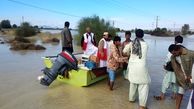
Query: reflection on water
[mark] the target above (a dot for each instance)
(19, 88)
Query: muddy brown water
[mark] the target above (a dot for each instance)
(20, 89)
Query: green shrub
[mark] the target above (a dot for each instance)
(25, 30)
(97, 25)
(14, 26)
(5, 24)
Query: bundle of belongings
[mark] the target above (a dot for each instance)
(90, 62)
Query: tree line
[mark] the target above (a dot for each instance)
(6, 24)
(97, 24)
(185, 30)
(24, 30)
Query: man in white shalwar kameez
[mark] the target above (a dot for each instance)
(88, 43)
(103, 50)
(137, 69)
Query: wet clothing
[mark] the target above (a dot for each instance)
(169, 78)
(191, 101)
(111, 75)
(142, 90)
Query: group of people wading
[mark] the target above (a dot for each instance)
(131, 56)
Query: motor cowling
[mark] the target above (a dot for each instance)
(64, 62)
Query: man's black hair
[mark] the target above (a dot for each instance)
(117, 38)
(171, 47)
(67, 24)
(178, 39)
(174, 47)
(128, 32)
(139, 33)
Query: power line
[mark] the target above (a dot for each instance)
(114, 3)
(137, 12)
(123, 5)
(141, 11)
(45, 9)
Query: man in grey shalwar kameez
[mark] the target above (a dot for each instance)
(66, 38)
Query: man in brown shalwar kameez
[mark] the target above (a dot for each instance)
(182, 61)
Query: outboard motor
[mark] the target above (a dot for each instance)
(64, 62)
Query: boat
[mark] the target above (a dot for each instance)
(81, 77)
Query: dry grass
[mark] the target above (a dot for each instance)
(47, 37)
(9, 34)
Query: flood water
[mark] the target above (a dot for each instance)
(20, 89)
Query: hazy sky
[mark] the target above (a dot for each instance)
(125, 14)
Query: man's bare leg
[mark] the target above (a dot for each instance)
(174, 96)
(179, 98)
(162, 96)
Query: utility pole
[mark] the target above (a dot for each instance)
(22, 19)
(153, 25)
(156, 21)
(174, 27)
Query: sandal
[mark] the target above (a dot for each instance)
(144, 107)
(158, 98)
(132, 101)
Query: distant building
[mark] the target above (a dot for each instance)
(192, 30)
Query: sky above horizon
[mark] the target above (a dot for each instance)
(124, 14)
